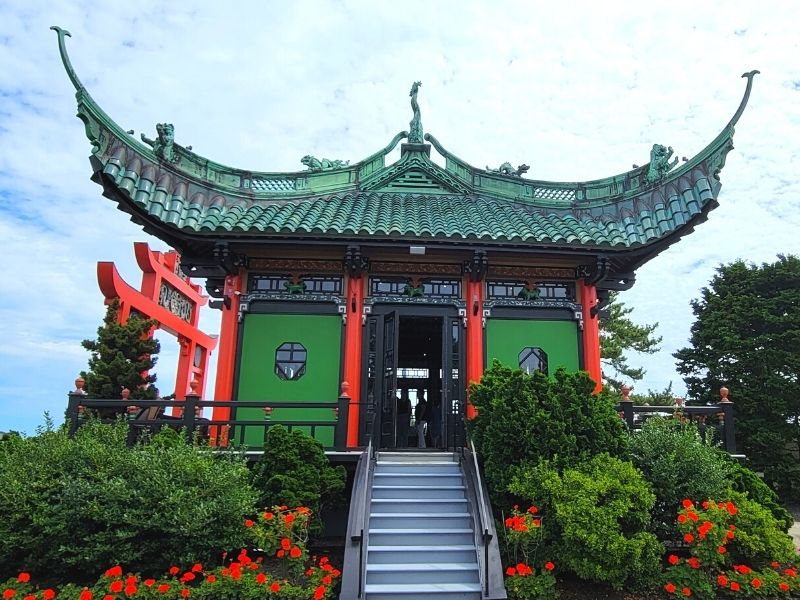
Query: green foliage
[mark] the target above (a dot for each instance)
(678, 465)
(294, 471)
(664, 397)
(736, 549)
(619, 334)
(745, 336)
(746, 481)
(70, 505)
(595, 518)
(525, 418)
(120, 354)
(760, 538)
(523, 583)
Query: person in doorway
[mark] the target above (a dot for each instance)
(403, 418)
(421, 418)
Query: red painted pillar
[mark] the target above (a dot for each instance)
(352, 353)
(228, 337)
(475, 364)
(591, 333)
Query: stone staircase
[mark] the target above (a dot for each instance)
(421, 536)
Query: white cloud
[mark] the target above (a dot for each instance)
(577, 91)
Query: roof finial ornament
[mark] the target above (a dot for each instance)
(508, 170)
(163, 145)
(313, 163)
(659, 162)
(415, 125)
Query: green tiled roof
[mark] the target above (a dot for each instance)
(184, 195)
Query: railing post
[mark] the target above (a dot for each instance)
(627, 406)
(74, 404)
(190, 411)
(729, 426)
(342, 413)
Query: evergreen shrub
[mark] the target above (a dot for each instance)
(678, 465)
(523, 419)
(745, 480)
(294, 471)
(68, 506)
(595, 517)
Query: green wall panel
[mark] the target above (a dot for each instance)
(262, 334)
(505, 339)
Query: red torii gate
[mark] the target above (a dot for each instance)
(170, 299)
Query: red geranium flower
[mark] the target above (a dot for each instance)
(775, 564)
(681, 518)
(174, 570)
(327, 579)
(693, 562)
(784, 587)
(268, 516)
(756, 583)
(281, 553)
(734, 586)
(790, 573)
(106, 597)
(688, 538)
(261, 578)
(295, 552)
(275, 588)
(9, 593)
(48, 594)
(693, 516)
(511, 571)
(188, 576)
(86, 594)
(163, 588)
(116, 586)
(670, 587)
(286, 543)
(149, 582)
(130, 590)
(533, 510)
(687, 503)
(743, 569)
(549, 566)
(24, 577)
(114, 572)
(249, 523)
(673, 559)
(537, 522)
(185, 592)
(211, 579)
(323, 560)
(687, 592)
(289, 519)
(319, 593)
(722, 580)
(197, 567)
(722, 549)
(731, 509)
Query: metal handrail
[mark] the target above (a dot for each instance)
(363, 537)
(483, 516)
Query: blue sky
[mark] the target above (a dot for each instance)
(575, 91)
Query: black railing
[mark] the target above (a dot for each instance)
(715, 417)
(149, 416)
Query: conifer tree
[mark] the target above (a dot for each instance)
(123, 356)
(619, 334)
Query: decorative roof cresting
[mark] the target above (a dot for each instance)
(415, 125)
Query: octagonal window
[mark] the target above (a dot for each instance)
(533, 359)
(290, 360)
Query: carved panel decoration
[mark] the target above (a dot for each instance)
(408, 268)
(292, 265)
(532, 272)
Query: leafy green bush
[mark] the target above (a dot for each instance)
(760, 538)
(525, 418)
(678, 465)
(294, 471)
(744, 480)
(595, 517)
(69, 506)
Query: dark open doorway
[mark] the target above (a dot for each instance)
(419, 368)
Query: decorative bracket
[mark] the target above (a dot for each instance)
(342, 308)
(462, 312)
(228, 259)
(592, 274)
(367, 310)
(477, 268)
(354, 262)
(487, 312)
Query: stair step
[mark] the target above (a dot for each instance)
(404, 505)
(423, 573)
(453, 478)
(415, 457)
(440, 591)
(420, 520)
(424, 554)
(436, 468)
(418, 491)
(416, 537)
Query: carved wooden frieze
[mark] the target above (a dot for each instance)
(407, 268)
(291, 265)
(531, 272)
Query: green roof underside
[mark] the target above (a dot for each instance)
(193, 203)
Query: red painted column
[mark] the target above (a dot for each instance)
(474, 357)
(228, 337)
(591, 333)
(353, 334)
